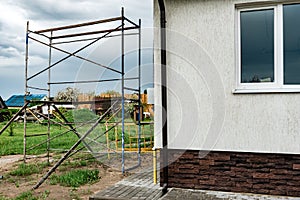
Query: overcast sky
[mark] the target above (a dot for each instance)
(47, 14)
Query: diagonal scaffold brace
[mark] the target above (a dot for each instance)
(73, 147)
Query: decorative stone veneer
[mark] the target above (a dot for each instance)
(262, 173)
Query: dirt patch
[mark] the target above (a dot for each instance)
(7, 161)
(13, 186)
(109, 172)
(59, 192)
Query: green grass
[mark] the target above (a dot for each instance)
(72, 164)
(3, 198)
(11, 145)
(75, 178)
(28, 169)
(28, 195)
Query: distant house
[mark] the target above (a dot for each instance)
(100, 104)
(2, 104)
(17, 101)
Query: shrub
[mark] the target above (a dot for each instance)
(5, 115)
(84, 115)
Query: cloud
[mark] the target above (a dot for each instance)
(46, 14)
(12, 40)
(136, 10)
(68, 9)
(8, 52)
(52, 10)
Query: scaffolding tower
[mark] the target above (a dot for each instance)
(54, 37)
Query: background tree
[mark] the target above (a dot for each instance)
(69, 94)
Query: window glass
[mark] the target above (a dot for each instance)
(257, 46)
(291, 39)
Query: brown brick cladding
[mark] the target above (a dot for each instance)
(262, 173)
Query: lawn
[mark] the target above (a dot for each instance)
(13, 143)
(12, 140)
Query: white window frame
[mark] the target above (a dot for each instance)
(278, 84)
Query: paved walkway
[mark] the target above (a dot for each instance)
(140, 186)
(137, 186)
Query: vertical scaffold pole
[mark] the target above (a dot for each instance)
(49, 95)
(140, 109)
(26, 91)
(123, 101)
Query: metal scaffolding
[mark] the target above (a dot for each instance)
(54, 37)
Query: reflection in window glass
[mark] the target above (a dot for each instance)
(257, 46)
(291, 38)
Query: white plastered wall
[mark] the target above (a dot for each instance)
(203, 113)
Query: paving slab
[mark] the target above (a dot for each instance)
(140, 186)
(137, 186)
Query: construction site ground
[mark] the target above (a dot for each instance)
(14, 186)
(137, 184)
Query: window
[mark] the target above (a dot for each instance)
(291, 38)
(269, 48)
(257, 46)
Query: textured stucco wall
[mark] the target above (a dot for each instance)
(203, 113)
